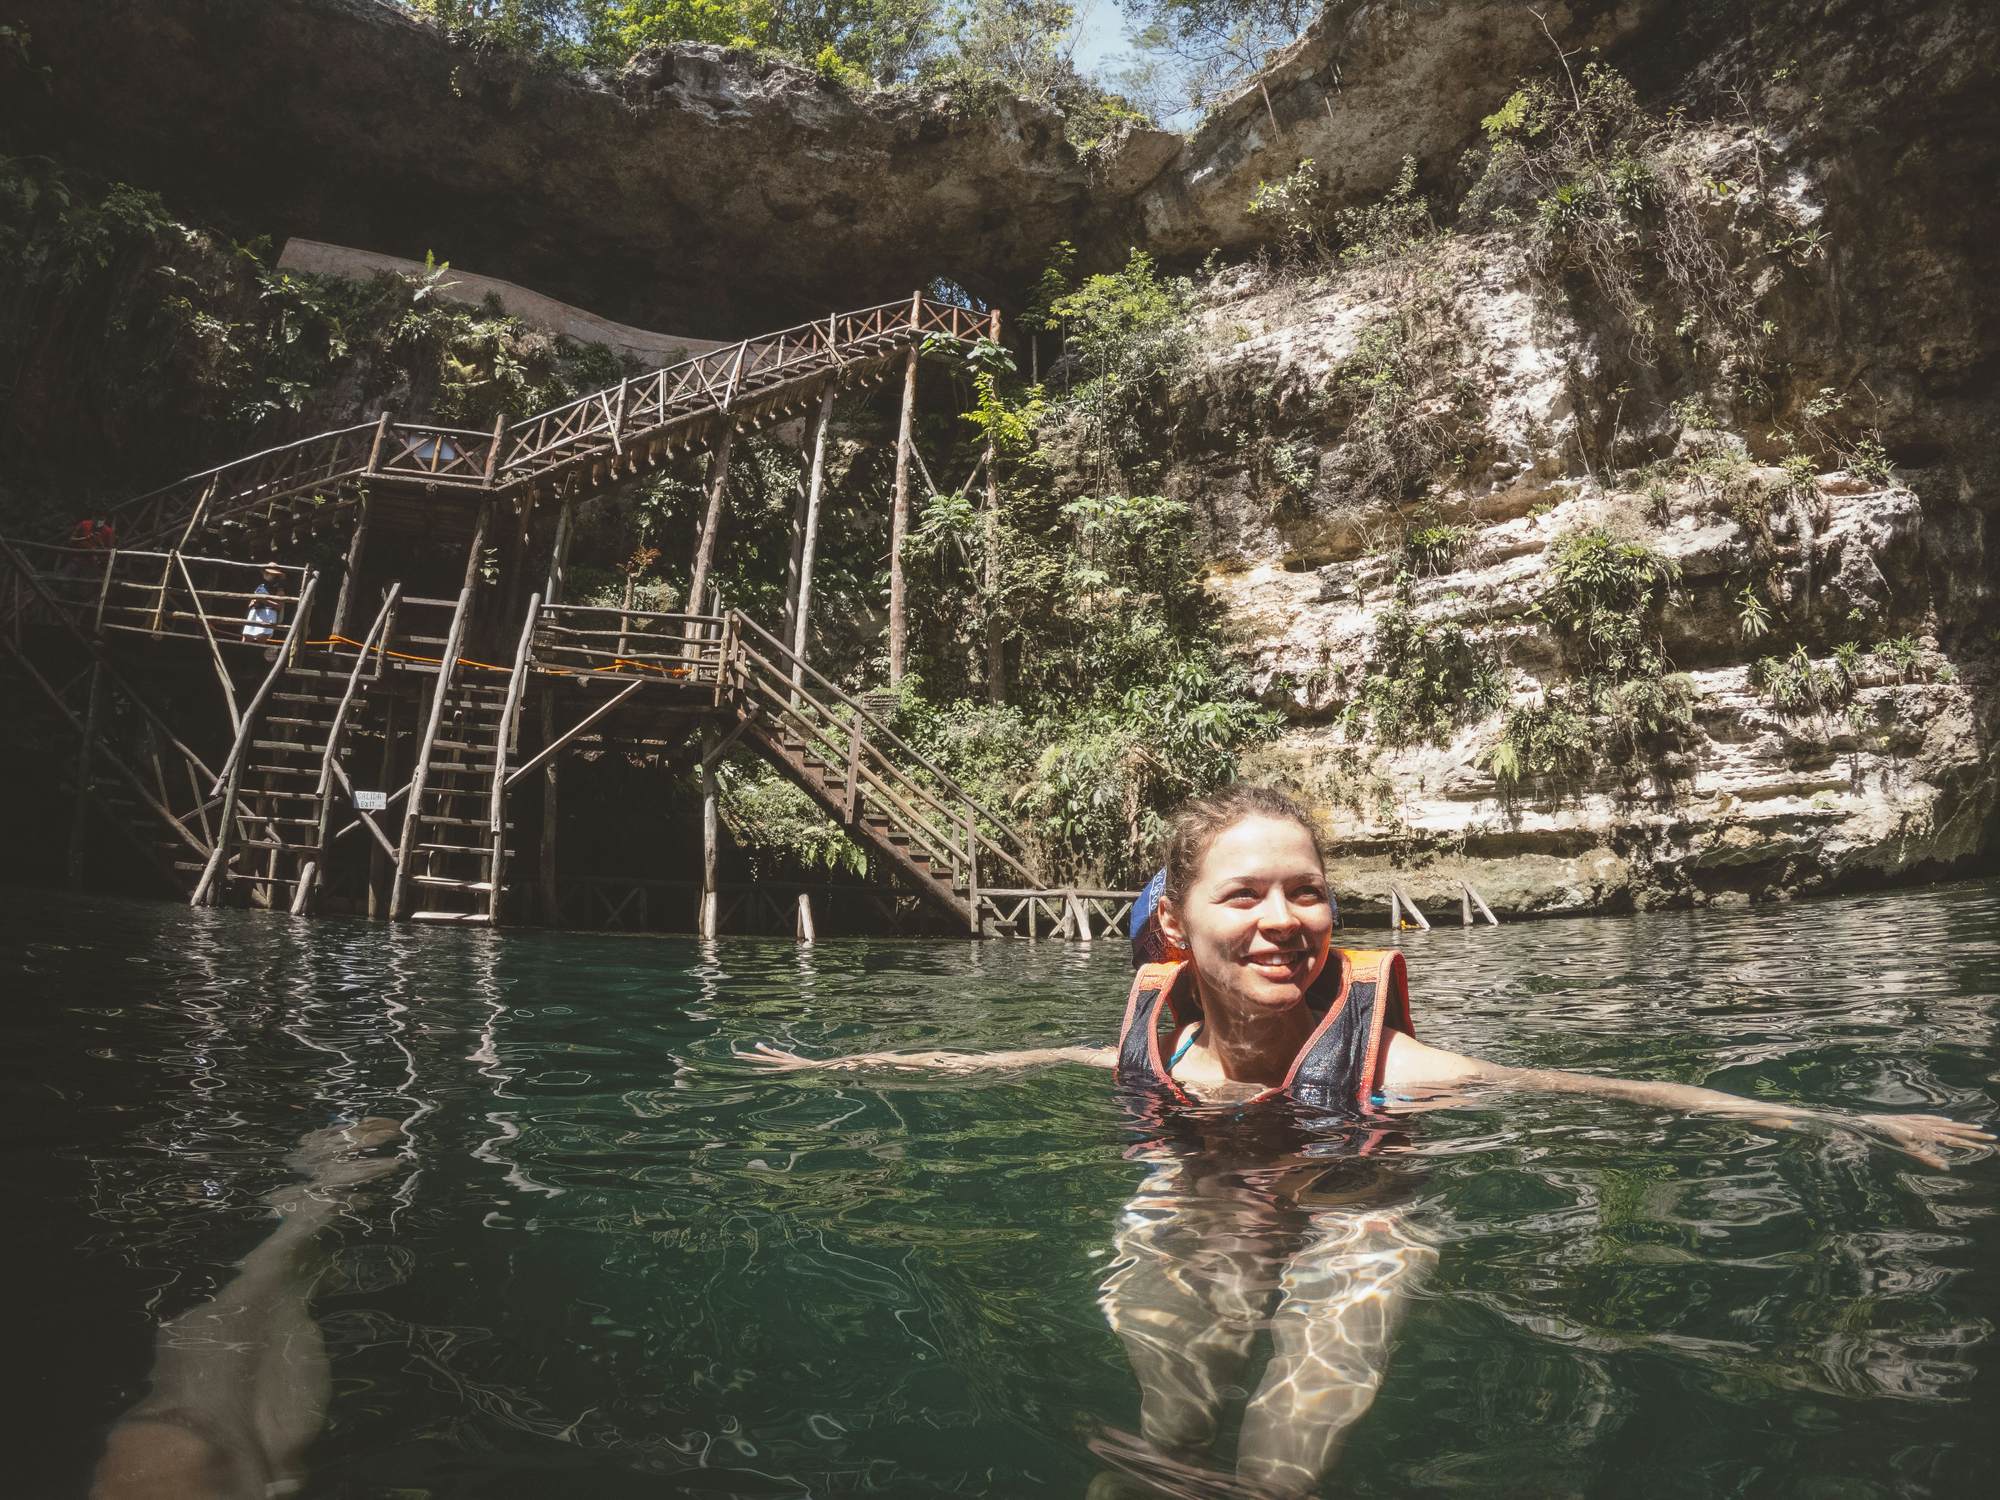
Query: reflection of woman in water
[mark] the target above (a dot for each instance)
(1241, 1228)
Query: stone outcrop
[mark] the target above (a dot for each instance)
(1874, 133)
(711, 191)
(1366, 85)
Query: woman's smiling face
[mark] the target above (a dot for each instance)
(1256, 918)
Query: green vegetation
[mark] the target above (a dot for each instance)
(1424, 678)
(977, 50)
(1612, 195)
(1624, 704)
(1194, 53)
(1604, 596)
(1542, 746)
(160, 347)
(1397, 224)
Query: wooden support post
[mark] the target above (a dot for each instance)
(378, 857)
(1395, 912)
(794, 559)
(330, 755)
(711, 834)
(356, 548)
(1484, 910)
(552, 588)
(899, 519)
(546, 874)
(515, 683)
(375, 448)
(704, 552)
(1464, 905)
(493, 453)
(624, 613)
(1411, 907)
(971, 872)
(79, 817)
(809, 543)
(852, 792)
(807, 932)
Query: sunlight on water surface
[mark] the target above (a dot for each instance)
(617, 1261)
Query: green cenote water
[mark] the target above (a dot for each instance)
(617, 1261)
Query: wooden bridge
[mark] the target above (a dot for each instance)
(271, 764)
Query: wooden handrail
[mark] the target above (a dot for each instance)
(911, 820)
(819, 734)
(447, 664)
(507, 712)
(328, 762)
(96, 648)
(741, 621)
(497, 872)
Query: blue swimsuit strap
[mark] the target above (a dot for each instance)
(1181, 1051)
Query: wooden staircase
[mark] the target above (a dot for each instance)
(280, 814)
(883, 791)
(454, 857)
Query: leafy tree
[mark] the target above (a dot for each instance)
(1204, 49)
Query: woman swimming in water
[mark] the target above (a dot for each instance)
(1243, 1225)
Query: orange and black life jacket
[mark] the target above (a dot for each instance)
(1340, 1066)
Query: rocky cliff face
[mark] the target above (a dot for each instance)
(710, 191)
(1868, 756)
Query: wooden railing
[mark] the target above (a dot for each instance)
(879, 772)
(163, 593)
(606, 641)
(606, 421)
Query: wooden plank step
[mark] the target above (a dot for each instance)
(251, 877)
(481, 849)
(450, 884)
(297, 746)
(274, 844)
(450, 822)
(469, 918)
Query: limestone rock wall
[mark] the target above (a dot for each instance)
(1875, 128)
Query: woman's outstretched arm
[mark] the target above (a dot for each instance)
(781, 1061)
(1409, 1064)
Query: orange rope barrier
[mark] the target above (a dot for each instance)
(463, 661)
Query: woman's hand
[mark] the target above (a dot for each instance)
(1926, 1137)
(778, 1060)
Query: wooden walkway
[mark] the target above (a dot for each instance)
(287, 493)
(390, 740)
